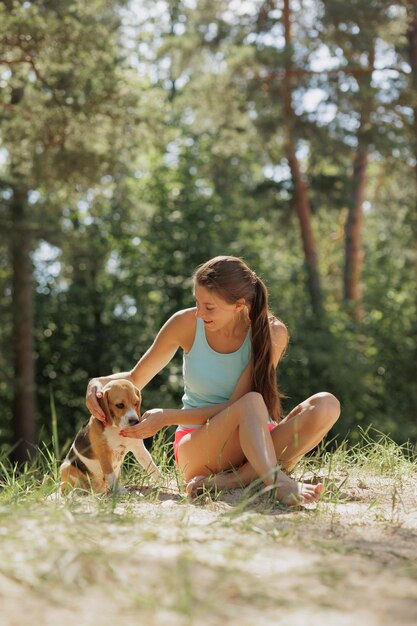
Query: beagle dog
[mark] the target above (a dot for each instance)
(96, 455)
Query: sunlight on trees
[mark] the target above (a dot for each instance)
(137, 139)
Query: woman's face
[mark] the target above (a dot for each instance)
(215, 312)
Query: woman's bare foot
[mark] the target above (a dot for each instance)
(292, 493)
(199, 484)
(288, 491)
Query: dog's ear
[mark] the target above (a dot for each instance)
(138, 396)
(104, 404)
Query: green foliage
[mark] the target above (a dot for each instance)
(145, 154)
(62, 90)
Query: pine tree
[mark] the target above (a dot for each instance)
(61, 126)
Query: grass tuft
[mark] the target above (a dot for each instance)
(132, 551)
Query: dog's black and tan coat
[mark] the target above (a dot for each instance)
(97, 453)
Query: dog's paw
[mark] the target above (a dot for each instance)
(114, 486)
(116, 490)
(156, 477)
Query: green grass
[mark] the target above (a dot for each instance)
(152, 557)
(375, 453)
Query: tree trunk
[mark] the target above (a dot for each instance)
(352, 287)
(21, 246)
(353, 236)
(301, 201)
(302, 208)
(24, 411)
(412, 48)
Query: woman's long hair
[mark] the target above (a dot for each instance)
(232, 280)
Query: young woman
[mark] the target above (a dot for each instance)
(230, 430)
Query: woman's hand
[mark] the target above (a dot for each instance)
(94, 392)
(152, 421)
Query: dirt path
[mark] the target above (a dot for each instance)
(171, 562)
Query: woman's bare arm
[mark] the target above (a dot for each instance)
(156, 419)
(172, 335)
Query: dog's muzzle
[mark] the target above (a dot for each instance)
(133, 421)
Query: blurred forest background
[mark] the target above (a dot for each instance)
(138, 139)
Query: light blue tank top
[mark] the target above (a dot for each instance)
(210, 377)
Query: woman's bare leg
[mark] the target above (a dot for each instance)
(240, 432)
(302, 429)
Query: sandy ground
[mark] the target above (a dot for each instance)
(162, 560)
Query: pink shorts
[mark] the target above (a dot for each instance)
(179, 434)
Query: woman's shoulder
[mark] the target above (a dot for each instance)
(279, 336)
(184, 316)
(183, 324)
(278, 328)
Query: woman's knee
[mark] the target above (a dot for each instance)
(327, 406)
(253, 402)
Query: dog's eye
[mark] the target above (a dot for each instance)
(120, 405)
